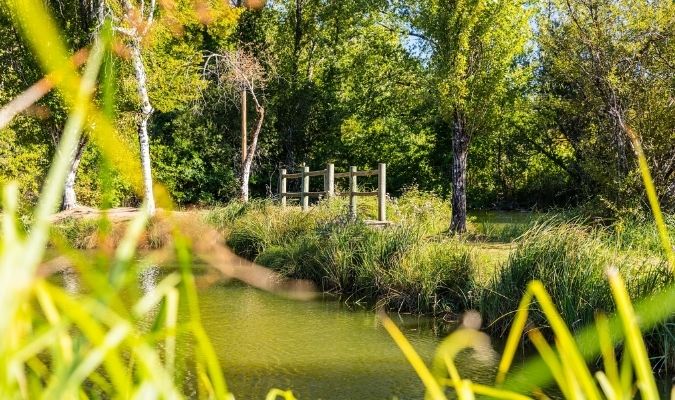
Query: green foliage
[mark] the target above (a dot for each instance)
(603, 72)
(476, 45)
(424, 209)
(571, 261)
(193, 174)
(362, 82)
(22, 161)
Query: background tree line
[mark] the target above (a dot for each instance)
(535, 99)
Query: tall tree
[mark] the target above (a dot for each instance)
(90, 16)
(606, 67)
(135, 26)
(475, 46)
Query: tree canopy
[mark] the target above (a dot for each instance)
(545, 93)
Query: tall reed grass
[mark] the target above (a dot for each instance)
(398, 267)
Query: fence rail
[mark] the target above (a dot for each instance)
(329, 177)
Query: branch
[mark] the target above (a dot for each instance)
(151, 17)
(125, 31)
(408, 33)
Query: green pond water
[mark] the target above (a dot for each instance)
(319, 349)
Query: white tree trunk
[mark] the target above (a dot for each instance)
(246, 169)
(146, 112)
(69, 196)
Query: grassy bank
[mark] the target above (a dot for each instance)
(416, 266)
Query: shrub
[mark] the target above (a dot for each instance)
(571, 261)
(426, 210)
(441, 275)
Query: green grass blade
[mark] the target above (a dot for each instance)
(634, 341)
(433, 389)
(653, 200)
(608, 354)
(551, 360)
(567, 346)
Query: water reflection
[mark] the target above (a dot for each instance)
(71, 281)
(148, 278)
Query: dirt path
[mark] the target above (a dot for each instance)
(119, 214)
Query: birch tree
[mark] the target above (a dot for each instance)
(135, 26)
(91, 20)
(240, 72)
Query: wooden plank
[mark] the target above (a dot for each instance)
(299, 194)
(364, 194)
(293, 176)
(357, 173)
(316, 173)
(366, 173)
(378, 224)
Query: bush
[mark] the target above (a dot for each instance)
(426, 210)
(222, 217)
(267, 225)
(640, 234)
(571, 261)
(441, 276)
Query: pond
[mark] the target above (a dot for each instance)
(320, 349)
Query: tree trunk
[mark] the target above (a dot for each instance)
(246, 170)
(146, 112)
(69, 196)
(460, 151)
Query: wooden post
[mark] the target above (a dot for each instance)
(353, 188)
(329, 181)
(382, 192)
(244, 128)
(305, 188)
(282, 186)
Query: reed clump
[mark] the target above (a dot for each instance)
(571, 261)
(409, 266)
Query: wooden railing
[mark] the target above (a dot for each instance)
(328, 192)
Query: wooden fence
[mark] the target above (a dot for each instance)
(328, 192)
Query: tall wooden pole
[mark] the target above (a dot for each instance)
(353, 188)
(329, 181)
(282, 186)
(244, 128)
(382, 192)
(305, 188)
